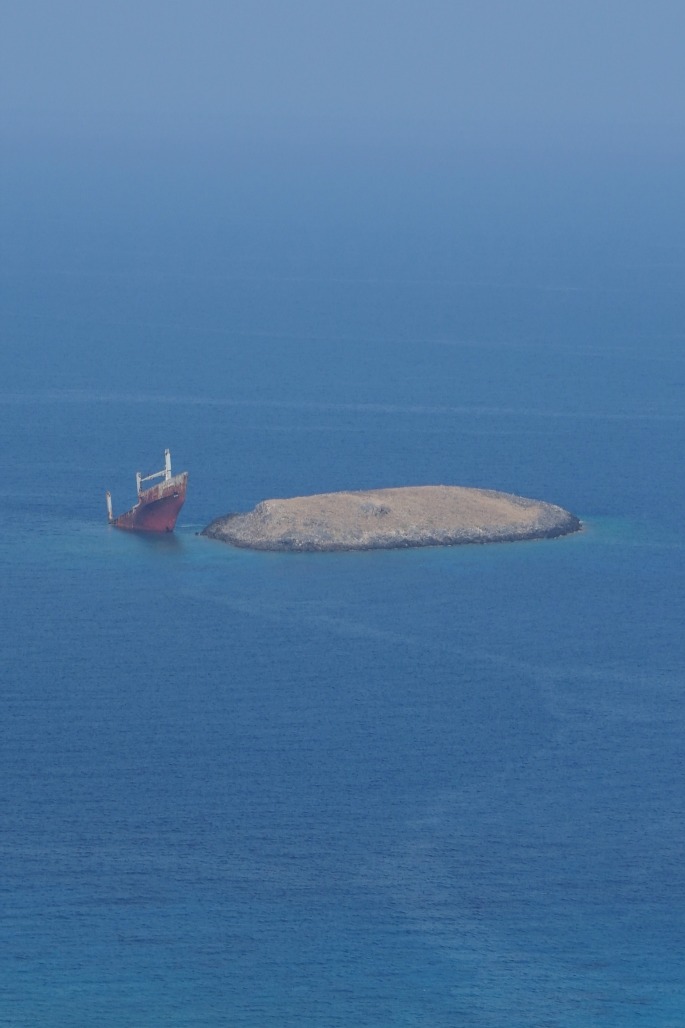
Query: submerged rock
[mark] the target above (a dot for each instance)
(431, 515)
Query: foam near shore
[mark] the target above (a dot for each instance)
(390, 518)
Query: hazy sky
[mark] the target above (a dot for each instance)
(586, 72)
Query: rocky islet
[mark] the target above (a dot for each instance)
(392, 518)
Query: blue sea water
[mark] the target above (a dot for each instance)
(434, 787)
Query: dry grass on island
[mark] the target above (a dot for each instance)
(433, 515)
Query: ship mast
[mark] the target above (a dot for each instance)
(165, 473)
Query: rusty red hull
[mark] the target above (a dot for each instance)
(157, 508)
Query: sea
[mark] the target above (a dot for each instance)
(420, 788)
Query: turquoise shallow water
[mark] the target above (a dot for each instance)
(417, 788)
